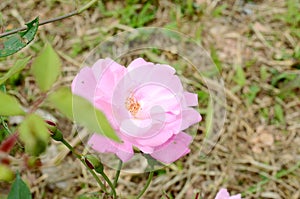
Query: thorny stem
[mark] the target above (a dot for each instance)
(76, 12)
(82, 161)
(146, 185)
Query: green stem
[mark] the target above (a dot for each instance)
(146, 185)
(110, 184)
(76, 12)
(118, 173)
(83, 162)
(95, 176)
(70, 148)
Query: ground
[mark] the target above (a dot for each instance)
(256, 47)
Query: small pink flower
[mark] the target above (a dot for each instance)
(223, 194)
(145, 104)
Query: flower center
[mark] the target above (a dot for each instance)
(132, 105)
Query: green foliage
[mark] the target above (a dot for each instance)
(279, 114)
(62, 100)
(286, 82)
(4, 131)
(6, 174)
(250, 96)
(82, 111)
(34, 134)
(76, 49)
(46, 68)
(239, 77)
(17, 67)
(215, 58)
(264, 73)
(292, 16)
(160, 172)
(279, 78)
(14, 43)
(19, 190)
(88, 197)
(203, 97)
(9, 105)
(288, 89)
(189, 8)
(296, 55)
(217, 12)
(132, 13)
(264, 113)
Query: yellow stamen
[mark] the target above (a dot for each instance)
(132, 105)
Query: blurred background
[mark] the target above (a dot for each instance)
(255, 45)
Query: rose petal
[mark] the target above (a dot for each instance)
(238, 196)
(104, 145)
(137, 63)
(173, 149)
(110, 77)
(191, 99)
(158, 97)
(189, 117)
(158, 139)
(98, 67)
(223, 194)
(166, 68)
(84, 84)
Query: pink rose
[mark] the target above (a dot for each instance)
(223, 194)
(145, 104)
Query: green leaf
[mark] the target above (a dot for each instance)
(6, 174)
(62, 100)
(9, 105)
(17, 67)
(19, 190)
(46, 68)
(82, 111)
(14, 43)
(34, 134)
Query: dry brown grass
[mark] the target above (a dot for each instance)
(251, 150)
